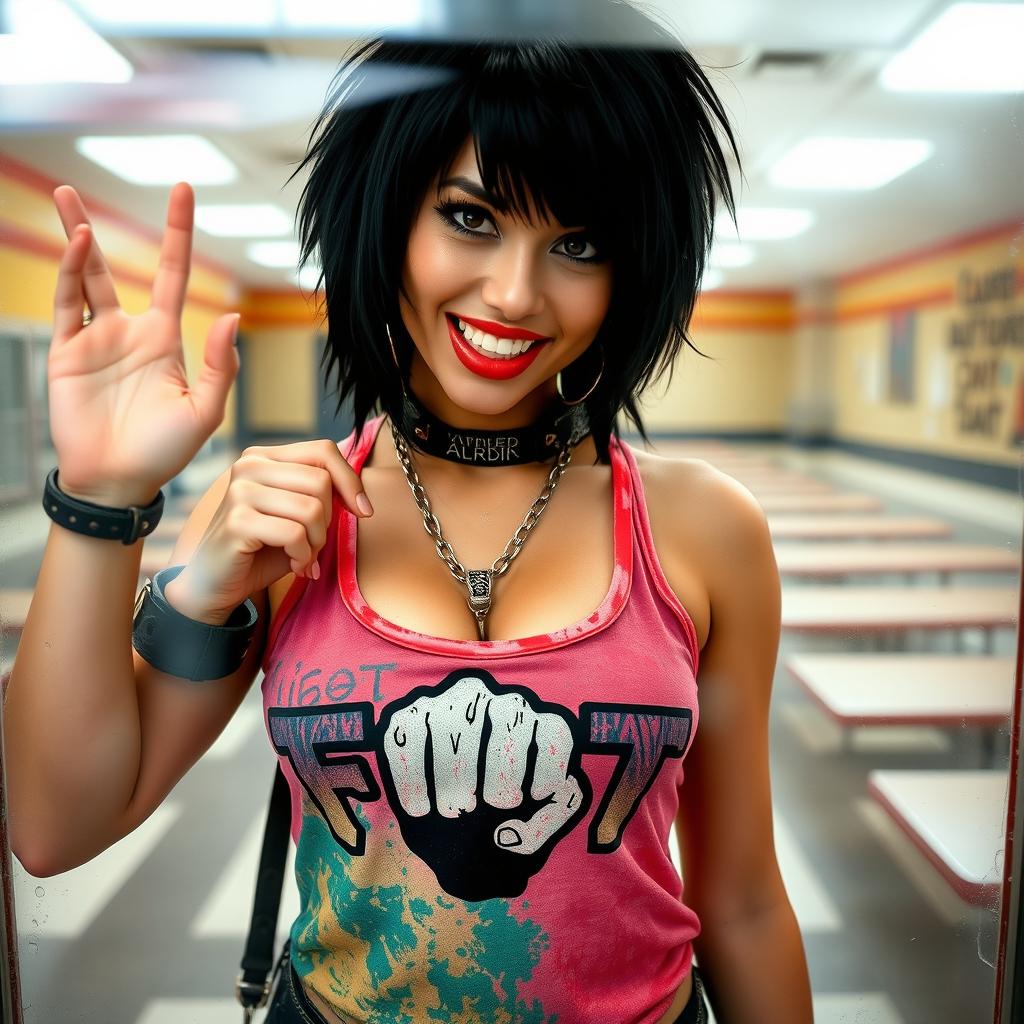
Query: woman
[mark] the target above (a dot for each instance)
(485, 753)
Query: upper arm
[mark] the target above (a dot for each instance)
(725, 816)
(179, 719)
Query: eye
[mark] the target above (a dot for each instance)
(471, 218)
(466, 218)
(576, 247)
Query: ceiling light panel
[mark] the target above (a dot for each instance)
(128, 16)
(49, 43)
(243, 220)
(159, 159)
(712, 279)
(968, 48)
(764, 223)
(832, 162)
(732, 254)
(383, 14)
(274, 254)
(307, 278)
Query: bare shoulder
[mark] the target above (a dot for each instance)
(706, 528)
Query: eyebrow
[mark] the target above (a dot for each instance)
(473, 188)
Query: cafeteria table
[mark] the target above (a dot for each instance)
(847, 610)
(831, 527)
(807, 504)
(945, 691)
(845, 559)
(940, 690)
(956, 818)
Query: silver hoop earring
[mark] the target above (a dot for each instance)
(576, 401)
(391, 345)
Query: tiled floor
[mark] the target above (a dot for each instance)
(151, 931)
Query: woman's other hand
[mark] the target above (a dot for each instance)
(272, 519)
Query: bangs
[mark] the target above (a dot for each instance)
(536, 162)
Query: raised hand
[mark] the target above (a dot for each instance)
(123, 416)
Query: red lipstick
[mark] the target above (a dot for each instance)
(484, 365)
(499, 330)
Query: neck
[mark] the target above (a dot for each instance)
(540, 411)
(433, 398)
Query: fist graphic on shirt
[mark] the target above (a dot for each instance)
(483, 779)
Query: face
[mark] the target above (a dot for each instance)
(479, 280)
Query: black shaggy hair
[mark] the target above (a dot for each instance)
(622, 141)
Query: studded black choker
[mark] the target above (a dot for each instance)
(538, 442)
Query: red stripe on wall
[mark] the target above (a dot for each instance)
(251, 319)
(941, 296)
(40, 182)
(25, 241)
(976, 237)
(741, 323)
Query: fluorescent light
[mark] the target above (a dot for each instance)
(180, 14)
(763, 223)
(159, 159)
(711, 280)
(308, 14)
(830, 162)
(243, 220)
(49, 43)
(307, 278)
(274, 254)
(732, 254)
(968, 48)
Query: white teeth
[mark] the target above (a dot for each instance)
(503, 348)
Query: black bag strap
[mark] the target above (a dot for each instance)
(252, 989)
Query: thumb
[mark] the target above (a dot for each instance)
(220, 367)
(518, 836)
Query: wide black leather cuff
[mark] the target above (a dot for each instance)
(180, 646)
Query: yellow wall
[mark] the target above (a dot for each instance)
(744, 384)
(965, 398)
(280, 329)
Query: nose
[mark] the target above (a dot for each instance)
(512, 282)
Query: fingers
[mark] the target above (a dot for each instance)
(405, 746)
(560, 791)
(171, 280)
(219, 370)
(278, 530)
(527, 837)
(326, 455)
(97, 281)
(294, 483)
(456, 724)
(286, 502)
(68, 298)
(512, 725)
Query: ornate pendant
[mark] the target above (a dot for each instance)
(478, 584)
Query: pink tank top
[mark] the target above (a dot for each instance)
(482, 827)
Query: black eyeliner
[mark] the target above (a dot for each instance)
(448, 207)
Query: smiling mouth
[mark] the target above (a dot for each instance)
(489, 344)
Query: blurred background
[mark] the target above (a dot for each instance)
(866, 323)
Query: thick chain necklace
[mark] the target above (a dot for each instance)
(478, 582)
